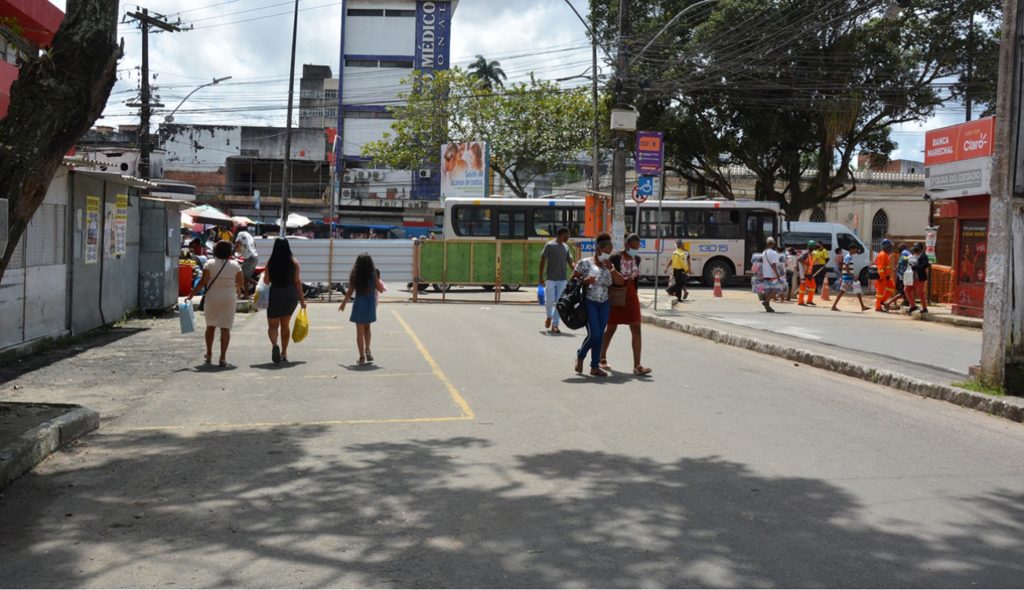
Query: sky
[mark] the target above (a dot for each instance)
(249, 40)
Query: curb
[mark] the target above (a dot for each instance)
(31, 448)
(952, 320)
(961, 397)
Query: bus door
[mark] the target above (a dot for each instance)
(512, 224)
(760, 226)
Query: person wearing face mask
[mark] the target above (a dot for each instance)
(627, 263)
(597, 274)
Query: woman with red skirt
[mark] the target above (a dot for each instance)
(627, 313)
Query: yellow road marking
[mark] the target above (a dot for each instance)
(229, 426)
(452, 391)
(263, 377)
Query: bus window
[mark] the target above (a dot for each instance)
(472, 221)
(722, 224)
(511, 224)
(649, 223)
(545, 221)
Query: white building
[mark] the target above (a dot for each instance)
(383, 42)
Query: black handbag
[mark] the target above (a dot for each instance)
(571, 305)
(873, 273)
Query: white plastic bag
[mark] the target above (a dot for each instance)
(262, 296)
(188, 318)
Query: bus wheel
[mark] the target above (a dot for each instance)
(488, 287)
(512, 287)
(442, 288)
(714, 267)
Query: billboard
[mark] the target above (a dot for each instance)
(464, 169)
(433, 51)
(974, 139)
(650, 152)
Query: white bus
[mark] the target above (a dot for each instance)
(722, 235)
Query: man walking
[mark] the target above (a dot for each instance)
(555, 259)
(847, 282)
(680, 265)
(885, 288)
(806, 267)
(245, 248)
(820, 269)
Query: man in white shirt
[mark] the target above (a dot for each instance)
(245, 248)
(773, 272)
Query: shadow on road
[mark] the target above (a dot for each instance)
(259, 508)
(62, 350)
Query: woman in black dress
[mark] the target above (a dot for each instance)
(285, 282)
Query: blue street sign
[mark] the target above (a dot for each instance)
(645, 186)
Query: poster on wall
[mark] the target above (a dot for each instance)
(92, 229)
(121, 226)
(931, 238)
(464, 169)
(973, 252)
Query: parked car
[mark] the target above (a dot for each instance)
(798, 233)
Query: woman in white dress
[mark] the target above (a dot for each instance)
(222, 278)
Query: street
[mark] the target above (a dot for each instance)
(471, 455)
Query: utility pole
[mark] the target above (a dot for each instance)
(1006, 181)
(968, 87)
(286, 189)
(146, 103)
(595, 156)
(622, 138)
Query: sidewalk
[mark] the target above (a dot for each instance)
(892, 349)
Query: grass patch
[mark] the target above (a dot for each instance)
(979, 386)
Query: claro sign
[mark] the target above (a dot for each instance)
(975, 139)
(433, 35)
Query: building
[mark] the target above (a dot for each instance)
(36, 22)
(877, 163)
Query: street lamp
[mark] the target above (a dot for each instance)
(170, 118)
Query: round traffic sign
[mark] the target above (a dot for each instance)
(637, 196)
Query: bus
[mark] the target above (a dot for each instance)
(721, 235)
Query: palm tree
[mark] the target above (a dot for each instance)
(489, 73)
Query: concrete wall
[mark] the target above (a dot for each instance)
(200, 148)
(268, 143)
(908, 216)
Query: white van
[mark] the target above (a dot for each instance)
(798, 233)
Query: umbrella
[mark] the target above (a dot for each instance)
(295, 220)
(207, 213)
(242, 220)
(186, 221)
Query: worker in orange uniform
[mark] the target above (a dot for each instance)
(807, 283)
(885, 287)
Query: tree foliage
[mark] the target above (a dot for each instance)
(794, 89)
(489, 73)
(532, 128)
(56, 98)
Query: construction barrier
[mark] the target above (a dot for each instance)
(492, 263)
(940, 284)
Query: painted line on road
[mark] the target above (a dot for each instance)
(251, 425)
(262, 377)
(467, 412)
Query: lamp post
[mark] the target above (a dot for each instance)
(170, 117)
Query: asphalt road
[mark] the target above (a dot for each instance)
(470, 455)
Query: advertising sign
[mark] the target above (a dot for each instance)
(974, 139)
(121, 226)
(931, 237)
(959, 179)
(464, 169)
(650, 152)
(973, 252)
(92, 230)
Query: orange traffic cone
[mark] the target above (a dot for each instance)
(824, 291)
(718, 285)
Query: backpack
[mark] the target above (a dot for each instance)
(571, 306)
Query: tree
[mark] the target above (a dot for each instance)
(790, 89)
(489, 73)
(56, 98)
(532, 128)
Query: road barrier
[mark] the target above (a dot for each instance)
(492, 263)
(321, 264)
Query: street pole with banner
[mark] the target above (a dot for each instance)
(660, 242)
(650, 161)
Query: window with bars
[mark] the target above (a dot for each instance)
(879, 229)
(818, 215)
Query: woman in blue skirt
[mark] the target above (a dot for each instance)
(363, 284)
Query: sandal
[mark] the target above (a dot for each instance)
(641, 370)
(369, 356)
(579, 366)
(207, 358)
(223, 363)
(596, 372)
(603, 365)
(362, 361)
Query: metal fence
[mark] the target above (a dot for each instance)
(319, 265)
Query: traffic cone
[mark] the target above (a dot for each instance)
(718, 285)
(824, 291)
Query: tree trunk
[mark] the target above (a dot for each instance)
(56, 98)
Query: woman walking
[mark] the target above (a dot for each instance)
(222, 279)
(597, 274)
(627, 264)
(364, 284)
(921, 268)
(283, 276)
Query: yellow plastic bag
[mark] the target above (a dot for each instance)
(301, 328)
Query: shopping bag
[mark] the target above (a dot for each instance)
(301, 327)
(188, 318)
(262, 296)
